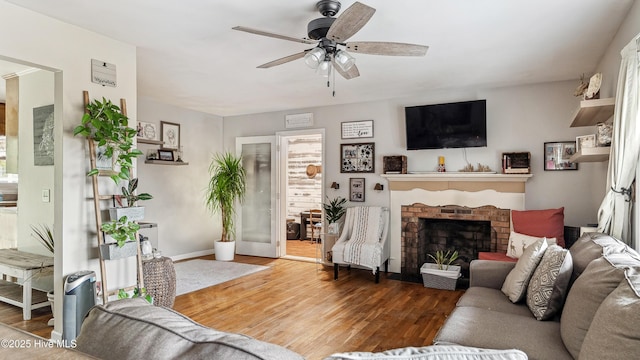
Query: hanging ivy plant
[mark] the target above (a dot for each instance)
(108, 127)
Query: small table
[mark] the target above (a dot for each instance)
(160, 280)
(23, 265)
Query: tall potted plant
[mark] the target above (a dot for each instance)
(333, 211)
(227, 184)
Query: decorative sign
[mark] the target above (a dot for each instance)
(298, 120)
(357, 129)
(103, 73)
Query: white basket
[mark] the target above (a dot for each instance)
(433, 277)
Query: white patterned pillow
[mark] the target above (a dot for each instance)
(518, 242)
(434, 352)
(550, 282)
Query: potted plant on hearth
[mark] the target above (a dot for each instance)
(333, 211)
(129, 208)
(227, 184)
(441, 274)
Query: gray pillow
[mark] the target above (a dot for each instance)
(614, 330)
(434, 352)
(599, 279)
(515, 285)
(549, 283)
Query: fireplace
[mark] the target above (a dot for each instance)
(426, 229)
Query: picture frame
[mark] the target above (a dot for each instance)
(104, 164)
(147, 130)
(585, 141)
(557, 155)
(356, 189)
(166, 155)
(356, 129)
(357, 158)
(170, 135)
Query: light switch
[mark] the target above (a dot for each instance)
(45, 195)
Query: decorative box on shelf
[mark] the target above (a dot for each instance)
(434, 277)
(516, 163)
(394, 164)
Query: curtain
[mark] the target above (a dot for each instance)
(614, 215)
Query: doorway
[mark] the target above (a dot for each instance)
(302, 157)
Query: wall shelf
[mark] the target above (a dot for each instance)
(147, 141)
(594, 154)
(165, 162)
(591, 112)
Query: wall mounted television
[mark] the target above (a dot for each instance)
(451, 125)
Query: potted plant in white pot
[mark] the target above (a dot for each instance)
(333, 212)
(227, 184)
(441, 274)
(129, 209)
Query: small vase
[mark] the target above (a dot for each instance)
(333, 228)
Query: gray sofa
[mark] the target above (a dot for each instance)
(135, 329)
(600, 318)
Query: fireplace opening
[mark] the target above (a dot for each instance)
(467, 237)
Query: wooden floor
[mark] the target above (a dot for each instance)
(303, 248)
(298, 305)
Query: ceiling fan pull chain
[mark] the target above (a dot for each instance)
(334, 84)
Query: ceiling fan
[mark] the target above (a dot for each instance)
(329, 35)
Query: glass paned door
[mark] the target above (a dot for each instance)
(256, 230)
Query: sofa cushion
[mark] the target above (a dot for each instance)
(477, 327)
(135, 329)
(549, 284)
(548, 223)
(591, 246)
(492, 299)
(615, 325)
(599, 279)
(435, 352)
(518, 242)
(515, 285)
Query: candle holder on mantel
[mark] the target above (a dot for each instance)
(441, 167)
(180, 150)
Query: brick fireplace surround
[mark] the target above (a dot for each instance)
(454, 195)
(410, 225)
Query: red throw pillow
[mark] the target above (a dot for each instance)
(548, 223)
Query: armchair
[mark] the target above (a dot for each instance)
(363, 240)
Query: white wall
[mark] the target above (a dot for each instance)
(67, 50)
(36, 89)
(185, 228)
(518, 119)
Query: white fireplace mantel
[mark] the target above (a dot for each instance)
(504, 191)
(458, 176)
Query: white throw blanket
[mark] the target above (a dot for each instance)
(364, 248)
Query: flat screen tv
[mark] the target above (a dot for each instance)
(452, 125)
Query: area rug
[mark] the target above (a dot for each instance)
(198, 274)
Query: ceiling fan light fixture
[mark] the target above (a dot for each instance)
(344, 60)
(314, 57)
(324, 68)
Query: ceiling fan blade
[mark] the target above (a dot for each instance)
(283, 60)
(352, 73)
(277, 36)
(387, 48)
(350, 22)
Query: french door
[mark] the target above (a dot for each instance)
(256, 230)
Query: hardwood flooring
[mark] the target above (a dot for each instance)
(298, 305)
(303, 248)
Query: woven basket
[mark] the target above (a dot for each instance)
(434, 278)
(160, 280)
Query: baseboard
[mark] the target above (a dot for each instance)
(192, 255)
(56, 336)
